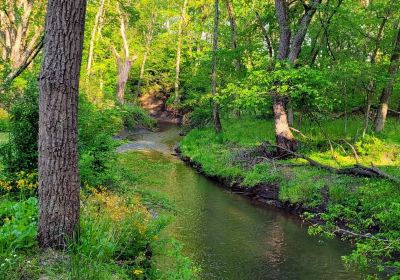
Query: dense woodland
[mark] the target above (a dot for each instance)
(303, 95)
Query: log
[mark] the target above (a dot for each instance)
(356, 170)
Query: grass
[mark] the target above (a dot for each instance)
(360, 204)
(118, 228)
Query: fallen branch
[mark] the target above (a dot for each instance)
(357, 169)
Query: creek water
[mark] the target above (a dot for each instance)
(230, 237)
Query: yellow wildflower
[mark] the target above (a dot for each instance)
(137, 271)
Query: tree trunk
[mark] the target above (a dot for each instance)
(265, 34)
(178, 52)
(58, 156)
(298, 39)
(93, 35)
(149, 39)
(283, 135)
(284, 28)
(368, 104)
(387, 91)
(215, 110)
(234, 42)
(124, 64)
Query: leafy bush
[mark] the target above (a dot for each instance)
(115, 229)
(22, 183)
(4, 121)
(18, 223)
(136, 117)
(96, 144)
(20, 153)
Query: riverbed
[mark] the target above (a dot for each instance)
(229, 236)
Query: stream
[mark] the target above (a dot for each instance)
(229, 236)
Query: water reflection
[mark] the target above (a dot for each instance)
(233, 239)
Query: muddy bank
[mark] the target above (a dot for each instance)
(156, 105)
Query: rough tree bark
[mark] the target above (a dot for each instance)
(381, 114)
(291, 51)
(58, 156)
(178, 52)
(215, 106)
(93, 35)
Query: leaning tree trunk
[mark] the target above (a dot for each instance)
(381, 114)
(215, 109)
(93, 35)
(58, 156)
(283, 135)
(288, 49)
(124, 64)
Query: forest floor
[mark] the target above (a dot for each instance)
(347, 205)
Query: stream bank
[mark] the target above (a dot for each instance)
(227, 235)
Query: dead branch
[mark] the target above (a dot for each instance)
(356, 170)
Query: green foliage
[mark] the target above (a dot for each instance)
(96, 144)
(135, 117)
(20, 153)
(18, 222)
(4, 121)
(361, 205)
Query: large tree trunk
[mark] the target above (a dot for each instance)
(178, 52)
(284, 28)
(288, 50)
(283, 135)
(387, 91)
(93, 35)
(215, 110)
(58, 156)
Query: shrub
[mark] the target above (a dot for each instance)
(20, 153)
(4, 121)
(136, 117)
(18, 223)
(96, 144)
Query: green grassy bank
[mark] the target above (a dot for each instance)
(366, 209)
(120, 235)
